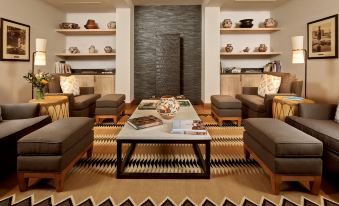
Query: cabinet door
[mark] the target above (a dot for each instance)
(85, 80)
(230, 84)
(250, 80)
(104, 84)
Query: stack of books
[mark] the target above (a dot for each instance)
(144, 122)
(61, 67)
(192, 127)
(148, 106)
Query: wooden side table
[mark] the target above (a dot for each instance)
(54, 106)
(284, 106)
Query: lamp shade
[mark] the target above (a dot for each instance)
(40, 59)
(40, 45)
(297, 43)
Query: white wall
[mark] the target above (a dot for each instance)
(323, 74)
(124, 83)
(241, 41)
(210, 53)
(43, 19)
(85, 41)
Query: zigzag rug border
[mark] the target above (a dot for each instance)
(264, 201)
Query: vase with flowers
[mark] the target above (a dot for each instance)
(38, 81)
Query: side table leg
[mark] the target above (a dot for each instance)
(119, 161)
(208, 159)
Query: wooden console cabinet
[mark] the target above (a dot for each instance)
(103, 84)
(232, 84)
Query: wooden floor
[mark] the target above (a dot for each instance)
(200, 108)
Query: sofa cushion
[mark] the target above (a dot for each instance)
(11, 127)
(225, 102)
(110, 100)
(269, 84)
(326, 131)
(286, 83)
(254, 102)
(336, 114)
(70, 85)
(281, 139)
(57, 137)
(83, 101)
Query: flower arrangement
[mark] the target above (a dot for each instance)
(38, 81)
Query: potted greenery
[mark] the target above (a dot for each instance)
(38, 81)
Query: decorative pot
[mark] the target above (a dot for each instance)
(227, 23)
(246, 23)
(247, 49)
(91, 24)
(92, 49)
(111, 25)
(74, 50)
(270, 23)
(229, 48)
(168, 107)
(39, 93)
(108, 49)
(262, 48)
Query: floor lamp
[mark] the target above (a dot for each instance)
(39, 56)
(299, 55)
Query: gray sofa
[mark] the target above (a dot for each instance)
(18, 120)
(317, 120)
(79, 106)
(254, 105)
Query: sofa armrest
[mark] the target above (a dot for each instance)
(69, 96)
(86, 90)
(250, 90)
(268, 101)
(19, 111)
(297, 87)
(317, 111)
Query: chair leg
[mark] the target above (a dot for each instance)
(275, 183)
(315, 185)
(23, 182)
(247, 153)
(239, 122)
(59, 182)
(89, 152)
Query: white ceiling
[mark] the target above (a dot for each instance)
(93, 6)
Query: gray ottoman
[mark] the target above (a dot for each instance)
(110, 106)
(224, 107)
(285, 153)
(51, 151)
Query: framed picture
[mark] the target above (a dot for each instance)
(322, 38)
(15, 41)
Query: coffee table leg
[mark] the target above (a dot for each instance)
(208, 159)
(119, 161)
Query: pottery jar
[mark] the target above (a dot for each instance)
(168, 107)
(229, 48)
(227, 23)
(91, 49)
(262, 48)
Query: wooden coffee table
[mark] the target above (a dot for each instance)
(162, 135)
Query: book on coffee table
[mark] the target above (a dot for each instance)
(144, 122)
(193, 127)
(148, 105)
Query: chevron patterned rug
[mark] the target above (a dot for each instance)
(226, 153)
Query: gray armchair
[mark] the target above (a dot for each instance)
(79, 106)
(254, 105)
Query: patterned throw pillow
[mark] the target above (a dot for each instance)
(70, 85)
(337, 114)
(269, 84)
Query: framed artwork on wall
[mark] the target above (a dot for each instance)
(15, 41)
(322, 38)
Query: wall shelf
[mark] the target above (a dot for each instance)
(248, 30)
(250, 54)
(86, 31)
(86, 55)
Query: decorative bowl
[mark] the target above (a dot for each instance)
(111, 25)
(246, 23)
(167, 107)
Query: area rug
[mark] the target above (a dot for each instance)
(227, 155)
(234, 180)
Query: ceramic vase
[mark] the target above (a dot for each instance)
(227, 23)
(229, 48)
(167, 107)
(39, 93)
(262, 48)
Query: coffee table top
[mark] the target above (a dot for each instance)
(161, 132)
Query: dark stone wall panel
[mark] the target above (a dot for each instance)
(151, 21)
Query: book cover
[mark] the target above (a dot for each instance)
(148, 106)
(193, 127)
(144, 122)
(184, 103)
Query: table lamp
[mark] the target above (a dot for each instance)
(39, 55)
(299, 55)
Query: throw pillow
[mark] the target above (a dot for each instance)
(286, 83)
(269, 84)
(337, 114)
(70, 85)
